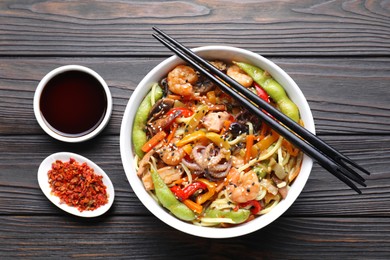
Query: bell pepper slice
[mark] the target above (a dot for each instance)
(184, 111)
(195, 118)
(264, 143)
(262, 93)
(211, 186)
(190, 138)
(255, 206)
(218, 140)
(183, 194)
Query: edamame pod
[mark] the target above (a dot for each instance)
(238, 216)
(273, 89)
(168, 199)
(139, 135)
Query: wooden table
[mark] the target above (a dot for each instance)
(338, 52)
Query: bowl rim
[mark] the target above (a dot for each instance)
(41, 120)
(136, 184)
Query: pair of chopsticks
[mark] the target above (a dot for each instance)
(325, 155)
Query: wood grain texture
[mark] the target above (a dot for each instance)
(124, 237)
(337, 51)
(123, 28)
(326, 83)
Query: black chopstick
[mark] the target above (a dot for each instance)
(330, 159)
(303, 132)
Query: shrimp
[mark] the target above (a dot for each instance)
(242, 187)
(171, 154)
(169, 174)
(181, 79)
(239, 75)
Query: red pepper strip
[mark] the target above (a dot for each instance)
(183, 194)
(256, 207)
(184, 111)
(178, 192)
(262, 93)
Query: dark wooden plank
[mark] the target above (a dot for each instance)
(118, 28)
(122, 237)
(327, 84)
(324, 195)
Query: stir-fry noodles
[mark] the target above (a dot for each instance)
(207, 159)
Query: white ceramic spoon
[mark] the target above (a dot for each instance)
(43, 181)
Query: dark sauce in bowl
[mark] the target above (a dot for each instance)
(73, 103)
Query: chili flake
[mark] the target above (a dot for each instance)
(77, 185)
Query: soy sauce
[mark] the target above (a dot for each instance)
(73, 103)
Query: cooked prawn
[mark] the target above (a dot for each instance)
(238, 75)
(169, 174)
(181, 79)
(242, 187)
(171, 154)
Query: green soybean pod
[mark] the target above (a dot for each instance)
(182, 212)
(279, 95)
(238, 216)
(273, 89)
(139, 136)
(168, 199)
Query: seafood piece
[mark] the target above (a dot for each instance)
(211, 161)
(242, 187)
(169, 174)
(181, 80)
(239, 75)
(171, 154)
(143, 164)
(237, 161)
(213, 121)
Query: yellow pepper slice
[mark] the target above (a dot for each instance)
(187, 149)
(211, 186)
(218, 140)
(190, 138)
(195, 119)
(264, 143)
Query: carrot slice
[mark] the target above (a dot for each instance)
(264, 130)
(225, 127)
(249, 145)
(153, 141)
(290, 148)
(172, 133)
(193, 206)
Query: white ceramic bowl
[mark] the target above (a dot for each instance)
(55, 134)
(127, 153)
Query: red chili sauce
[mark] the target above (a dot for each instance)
(73, 103)
(77, 185)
